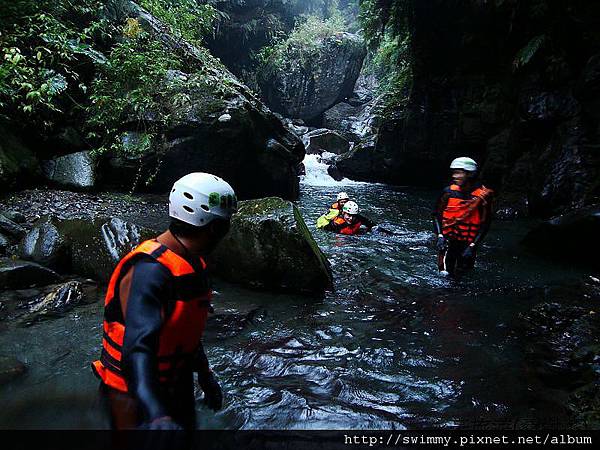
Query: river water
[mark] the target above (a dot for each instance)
(394, 345)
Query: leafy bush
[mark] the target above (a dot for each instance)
(42, 44)
(302, 43)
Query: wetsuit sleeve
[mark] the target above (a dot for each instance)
(486, 215)
(150, 285)
(201, 364)
(438, 211)
(366, 221)
(331, 226)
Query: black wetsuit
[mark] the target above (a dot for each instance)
(151, 295)
(359, 218)
(452, 258)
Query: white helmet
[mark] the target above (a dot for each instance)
(350, 208)
(343, 196)
(199, 197)
(464, 163)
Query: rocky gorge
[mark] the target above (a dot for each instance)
(514, 86)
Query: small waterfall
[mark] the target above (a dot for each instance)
(316, 172)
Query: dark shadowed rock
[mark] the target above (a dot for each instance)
(75, 170)
(269, 246)
(18, 164)
(571, 236)
(17, 274)
(46, 245)
(323, 140)
(60, 300)
(4, 244)
(305, 87)
(10, 369)
(10, 228)
(221, 128)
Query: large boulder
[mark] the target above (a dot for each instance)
(10, 369)
(90, 248)
(75, 170)
(18, 274)
(221, 128)
(301, 83)
(56, 303)
(571, 236)
(269, 246)
(11, 228)
(47, 245)
(354, 122)
(323, 140)
(18, 164)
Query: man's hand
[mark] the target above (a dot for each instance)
(442, 243)
(213, 396)
(469, 252)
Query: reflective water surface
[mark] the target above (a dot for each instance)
(393, 346)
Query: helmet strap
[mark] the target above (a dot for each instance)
(185, 249)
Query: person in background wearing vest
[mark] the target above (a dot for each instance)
(155, 312)
(462, 218)
(334, 210)
(349, 221)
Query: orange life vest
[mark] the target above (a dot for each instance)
(182, 331)
(336, 205)
(343, 227)
(461, 219)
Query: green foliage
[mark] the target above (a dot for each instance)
(528, 52)
(387, 34)
(42, 44)
(187, 19)
(301, 45)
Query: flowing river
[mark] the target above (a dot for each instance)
(394, 345)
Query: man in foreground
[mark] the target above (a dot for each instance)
(155, 313)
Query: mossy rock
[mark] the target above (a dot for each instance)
(89, 248)
(270, 247)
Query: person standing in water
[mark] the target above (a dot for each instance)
(462, 218)
(155, 313)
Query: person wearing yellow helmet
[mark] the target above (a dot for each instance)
(461, 218)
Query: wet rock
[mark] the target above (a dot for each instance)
(269, 246)
(76, 170)
(17, 274)
(323, 140)
(46, 245)
(221, 128)
(15, 216)
(96, 246)
(341, 117)
(18, 164)
(4, 244)
(306, 87)
(335, 173)
(10, 369)
(570, 236)
(361, 162)
(54, 304)
(10, 228)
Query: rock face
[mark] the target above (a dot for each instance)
(570, 236)
(47, 245)
(515, 85)
(323, 140)
(90, 248)
(306, 87)
(221, 128)
(54, 304)
(18, 164)
(76, 170)
(270, 246)
(10, 369)
(10, 228)
(354, 122)
(17, 274)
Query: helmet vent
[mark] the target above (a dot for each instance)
(188, 209)
(205, 208)
(173, 190)
(188, 195)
